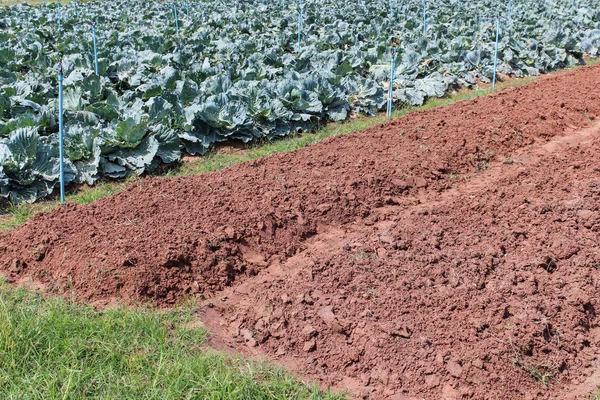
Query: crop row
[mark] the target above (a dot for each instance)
(232, 71)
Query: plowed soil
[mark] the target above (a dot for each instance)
(452, 253)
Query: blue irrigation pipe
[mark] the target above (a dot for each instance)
(61, 134)
(391, 88)
(95, 48)
(424, 17)
(176, 19)
(496, 54)
(300, 12)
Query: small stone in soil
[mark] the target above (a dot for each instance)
(454, 368)
(310, 345)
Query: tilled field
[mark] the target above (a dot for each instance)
(453, 253)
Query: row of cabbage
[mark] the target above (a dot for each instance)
(230, 70)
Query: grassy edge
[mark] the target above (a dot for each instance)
(52, 348)
(12, 216)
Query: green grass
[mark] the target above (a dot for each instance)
(13, 216)
(55, 349)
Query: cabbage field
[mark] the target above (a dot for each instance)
(180, 77)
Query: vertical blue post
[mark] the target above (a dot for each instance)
(424, 17)
(95, 48)
(187, 7)
(300, 10)
(176, 19)
(391, 88)
(458, 3)
(60, 134)
(496, 53)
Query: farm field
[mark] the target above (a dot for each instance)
(244, 221)
(451, 253)
(173, 79)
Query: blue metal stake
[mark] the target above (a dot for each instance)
(300, 24)
(176, 19)
(95, 48)
(187, 7)
(424, 17)
(60, 134)
(391, 88)
(496, 54)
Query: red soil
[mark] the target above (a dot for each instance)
(451, 253)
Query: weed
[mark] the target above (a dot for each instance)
(359, 255)
(541, 372)
(482, 166)
(214, 243)
(131, 222)
(362, 255)
(517, 135)
(587, 117)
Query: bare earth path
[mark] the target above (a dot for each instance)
(453, 253)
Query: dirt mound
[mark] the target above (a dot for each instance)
(479, 293)
(448, 252)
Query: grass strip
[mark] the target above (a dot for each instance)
(51, 348)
